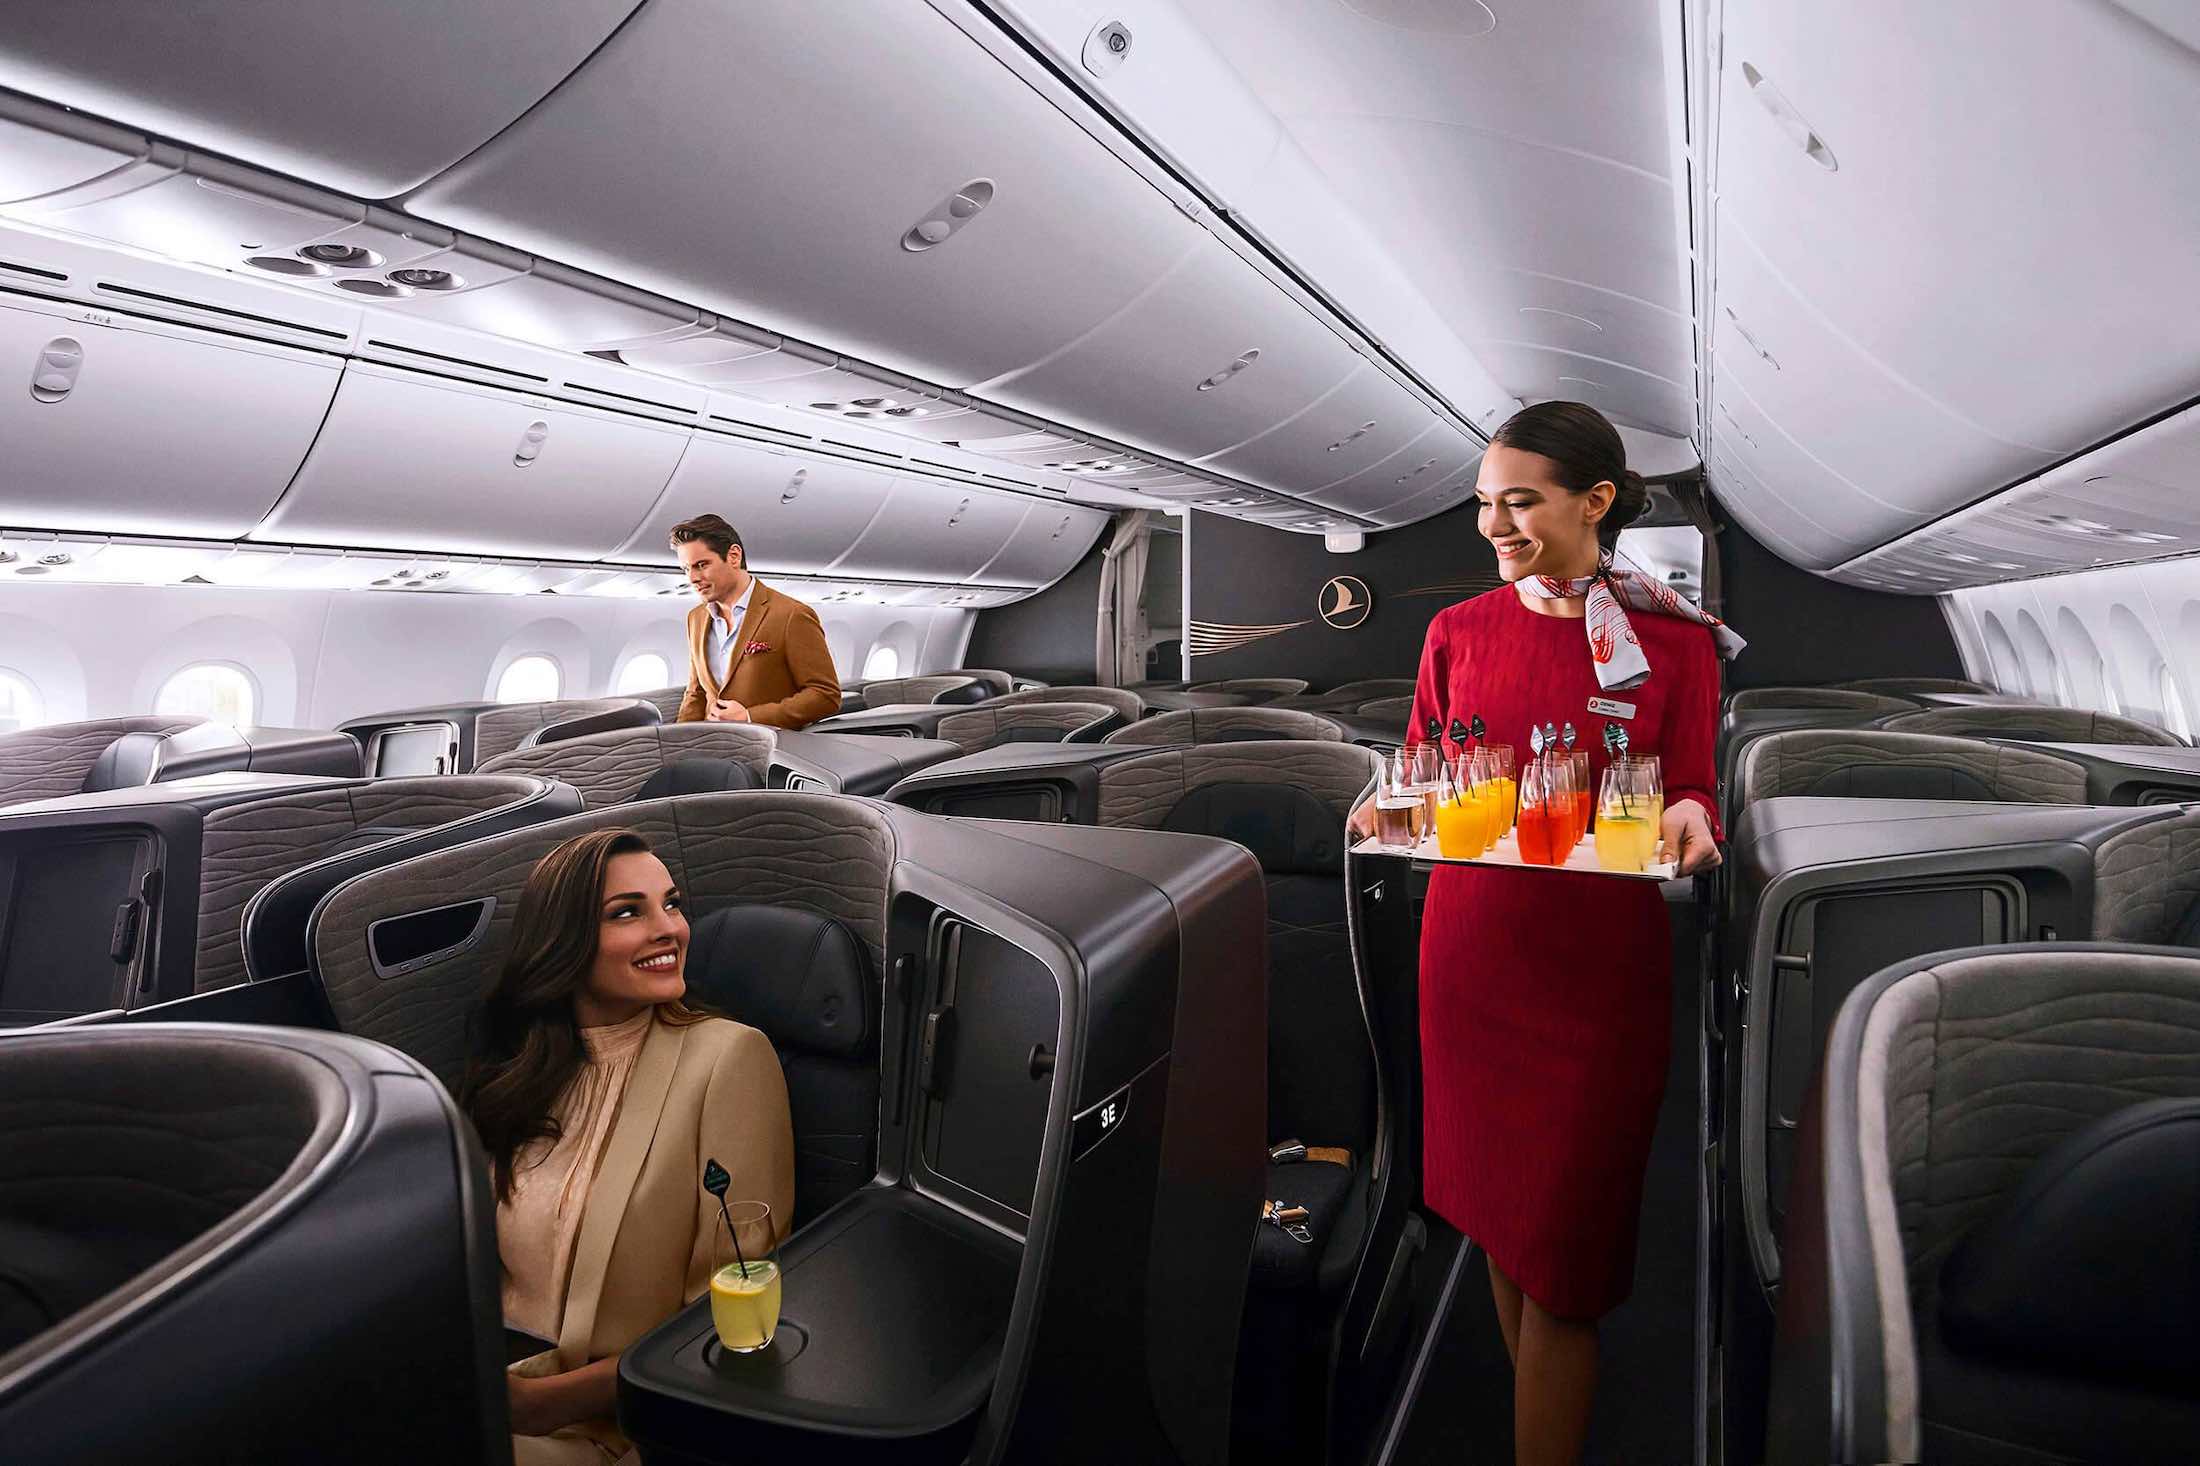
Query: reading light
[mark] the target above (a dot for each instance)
(342, 256)
(418, 279)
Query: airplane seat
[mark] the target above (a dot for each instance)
(1129, 706)
(59, 759)
(1259, 689)
(1348, 696)
(1187, 727)
(1868, 763)
(1755, 699)
(398, 819)
(582, 721)
(999, 684)
(1985, 1119)
(1387, 709)
(2023, 724)
(698, 776)
(297, 1227)
(990, 725)
(500, 730)
(1286, 804)
(1905, 686)
(2146, 883)
(888, 691)
(617, 765)
(666, 700)
(805, 982)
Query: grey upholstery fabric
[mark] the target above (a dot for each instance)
(1142, 790)
(1128, 705)
(666, 700)
(1752, 698)
(242, 847)
(983, 725)
(501, 730)
(51, 762)
(1255, 686)
(1903, 686)
(2033, 725)
(817, 853)
(1370, 689)
(2146, 882)
(1388, 710)
(1810, 760)
(608, 768)
(1188, 727)
(913, 689)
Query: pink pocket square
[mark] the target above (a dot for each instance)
(756, 646)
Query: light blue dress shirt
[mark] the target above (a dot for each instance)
(724, 635)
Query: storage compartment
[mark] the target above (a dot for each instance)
(413, 749)
(780, 192)
(933, 531)
(796, 515)
(413, 461)
(75, 926)
(985, 1063)
(1045, 547)
(135, 426)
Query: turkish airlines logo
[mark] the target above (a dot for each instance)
(1346, 601)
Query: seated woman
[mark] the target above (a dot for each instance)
(599, 1095)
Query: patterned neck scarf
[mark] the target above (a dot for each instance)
(1612, 592)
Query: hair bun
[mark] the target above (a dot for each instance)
(1630, 503)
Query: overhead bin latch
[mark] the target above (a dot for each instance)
(530, 443)
(53, 375)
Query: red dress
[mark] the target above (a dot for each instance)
(1546, 998)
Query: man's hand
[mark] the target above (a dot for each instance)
(1687, 832)
(726, 710)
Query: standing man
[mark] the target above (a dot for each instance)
(754, 655)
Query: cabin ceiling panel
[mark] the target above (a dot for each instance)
(34, 161)
(2009, 225)
(1359, 422)
(407, 460)
(768, 159)
(359, 97)
(1045, 547)
(797, 514)
(1626, 394)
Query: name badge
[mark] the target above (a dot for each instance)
(1605, 707)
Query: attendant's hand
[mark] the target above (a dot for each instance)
(535, 1405)
(1688, 839)
(1361, 821)
(726, 710)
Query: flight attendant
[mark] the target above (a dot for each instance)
(598, 1094)
(755, 655)
(1546, 997)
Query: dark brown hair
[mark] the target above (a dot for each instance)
(527, 1039)
(713, 531)
(1585, 450)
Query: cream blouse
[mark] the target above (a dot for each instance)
(538, 1224)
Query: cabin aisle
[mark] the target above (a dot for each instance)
(1646, 1400)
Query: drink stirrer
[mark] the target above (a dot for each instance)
(715, 1181)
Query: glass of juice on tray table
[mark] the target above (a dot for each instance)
(744, 1283)
(1546, 811)
(1459, 818)
(1625, 835)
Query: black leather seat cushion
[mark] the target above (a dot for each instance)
(697, 776)
(805, 981)
(1289, 831)
(2092, 1265)
(972, 692)
(1901, 781)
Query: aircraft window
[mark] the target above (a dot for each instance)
(2043, 676)
(20, 705)
(530, 679)
(884, 661)
(220, 692)
(2174, 715)
(2007, 668)
(841, 642)
(2083, 677)
(643, 673)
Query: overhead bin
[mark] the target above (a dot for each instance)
(1355, 425)
(135, 425)
(928, 530)
(1045, 547)
(849, 138)
(350, 96)
(796, 514)
(422, 462)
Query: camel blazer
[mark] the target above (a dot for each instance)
(782, 671)
(709, 1090)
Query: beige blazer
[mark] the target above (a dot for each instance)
(706, 1091)
(782, 670)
